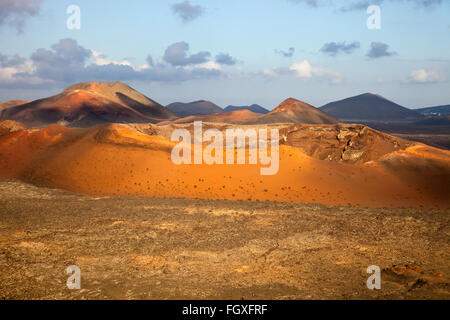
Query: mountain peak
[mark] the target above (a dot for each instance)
(368, 107)
(291, 100)
(372, 95)
(90, 103)
(291, 104)
(293, 110)
(114, 91)
(98, 86)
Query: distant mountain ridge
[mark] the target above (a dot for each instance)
(435, 111)
(369, 107)
(289, 111)
(92, 103)
(195, 108)
(254, 108)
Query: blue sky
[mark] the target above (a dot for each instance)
(409, 64)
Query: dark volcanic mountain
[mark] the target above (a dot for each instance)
(293, 110)
(196, 108)
(369, 107)
(87, 104)
(254, 108)
(435, 111)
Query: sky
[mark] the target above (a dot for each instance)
(230, 52)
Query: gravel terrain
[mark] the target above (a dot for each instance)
(145, 248)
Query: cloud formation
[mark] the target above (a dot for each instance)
(15, 12)
(305, 70)
(10, 61)
(225, 59)
(425, 76)
(67, 62)
(177, 55)
(363, 4)
(311, 3)
(63, 62)
(379, 50)
(150, 61)
(333, 48)
(286, 54)
(186, 11)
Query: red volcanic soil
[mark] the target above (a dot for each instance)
(88, 104)
(8, 126)
(19, 148)
(119, 160)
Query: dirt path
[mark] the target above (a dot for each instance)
(144, 248)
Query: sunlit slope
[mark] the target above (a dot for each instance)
(119, 160)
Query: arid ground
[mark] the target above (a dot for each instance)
(147, 248)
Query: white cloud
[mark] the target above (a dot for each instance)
(425, 76)
(305, 70)
(270, 72)
(333, 76)
(101, 60)
(210, 65)
(14, 75)
(302, 69)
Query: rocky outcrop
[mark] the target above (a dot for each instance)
(342, 142)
